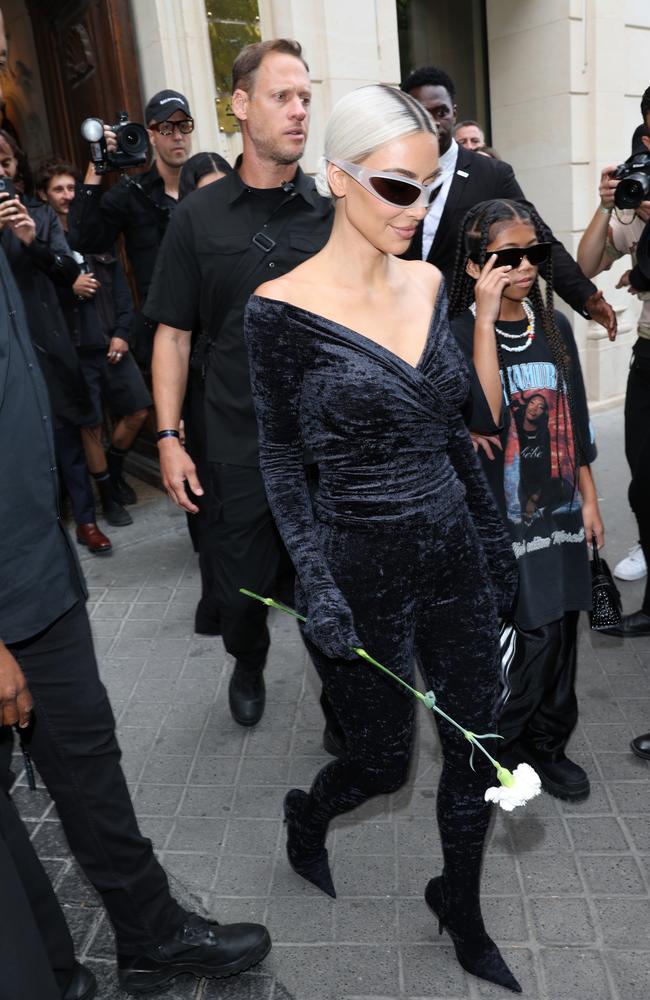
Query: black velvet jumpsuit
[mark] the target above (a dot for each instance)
(402, 552)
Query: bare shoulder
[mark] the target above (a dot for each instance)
(288, 287)
(425, 275)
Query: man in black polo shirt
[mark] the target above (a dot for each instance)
(47, 661)
(139, 207)
(257, 223)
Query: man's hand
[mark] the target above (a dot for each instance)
(601, 312)
(607, 187)
(177, 468)
(85, 286)
(92, 177)
(15, 216)
(15, 700)
(117, 350)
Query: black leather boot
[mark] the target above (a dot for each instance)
(641, 746)
(114, 513)
(247, 695)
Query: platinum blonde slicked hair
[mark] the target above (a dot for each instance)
(364, 120)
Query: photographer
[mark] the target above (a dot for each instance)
(139, 207)
(605, 240)
(99, 309)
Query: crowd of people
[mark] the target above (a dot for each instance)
(369, 409)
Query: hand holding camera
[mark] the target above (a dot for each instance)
(607, 187)
(14, 214)
(114, 147)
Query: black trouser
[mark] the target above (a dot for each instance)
(75, 749)
(416, 586)
(73, 472)
(30, 919)
(637, 448)
(538, 707)
(241, 547)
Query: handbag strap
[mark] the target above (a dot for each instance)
(596, 556)
(261, 245)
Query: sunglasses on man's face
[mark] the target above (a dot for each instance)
(513, 256)
(185, 126)
(391, 188)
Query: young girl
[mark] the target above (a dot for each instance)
(527, 411)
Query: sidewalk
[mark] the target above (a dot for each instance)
(566, 888)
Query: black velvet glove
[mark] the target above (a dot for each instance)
(329, 624)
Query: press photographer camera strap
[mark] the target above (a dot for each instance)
(262, 244)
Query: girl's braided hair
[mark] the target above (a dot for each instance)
(479, 228)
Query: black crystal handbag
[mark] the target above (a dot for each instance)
(605, 598)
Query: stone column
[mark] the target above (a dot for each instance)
(174, 51)
(558, 75)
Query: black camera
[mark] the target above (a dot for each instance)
(634, 181)
(132, 143)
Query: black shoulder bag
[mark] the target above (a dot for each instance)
(261, 245)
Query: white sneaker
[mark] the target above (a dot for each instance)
(633, 567)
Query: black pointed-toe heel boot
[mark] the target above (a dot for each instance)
(306, 852)
(475, 950)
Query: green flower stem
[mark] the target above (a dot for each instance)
(427, 699)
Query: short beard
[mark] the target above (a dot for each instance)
(268, 150)
(286, 159)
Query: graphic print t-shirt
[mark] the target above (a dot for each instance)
(534, 476)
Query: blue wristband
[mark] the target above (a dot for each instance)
(167, 434)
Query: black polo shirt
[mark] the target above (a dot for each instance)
(204, 256)
(39, 576)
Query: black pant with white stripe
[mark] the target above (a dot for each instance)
(538, 708)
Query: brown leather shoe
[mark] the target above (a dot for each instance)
(94, 539)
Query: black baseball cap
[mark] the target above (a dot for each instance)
(165, 103)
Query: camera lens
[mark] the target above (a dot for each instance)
(133, 139)
(632, 190)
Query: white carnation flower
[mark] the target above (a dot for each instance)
(516, 788)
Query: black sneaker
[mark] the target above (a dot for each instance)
(200, 947)
(82, 985)
(561, 778)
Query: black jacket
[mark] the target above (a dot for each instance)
(92, 322)
(137, 207)
(37, 269)
(481, 179)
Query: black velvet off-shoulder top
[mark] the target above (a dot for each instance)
(388, 437)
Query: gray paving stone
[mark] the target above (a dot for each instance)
(630, 971)
(433, 972)
(570, 974)
(562, 920)
(597, 833)
(624, 922)
(556, 874)
(612, 875)
(371, 921)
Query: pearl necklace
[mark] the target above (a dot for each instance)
(529, 332)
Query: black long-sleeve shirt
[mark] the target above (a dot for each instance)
(40, 578)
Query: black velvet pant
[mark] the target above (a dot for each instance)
(637, 448)
(417, 587)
